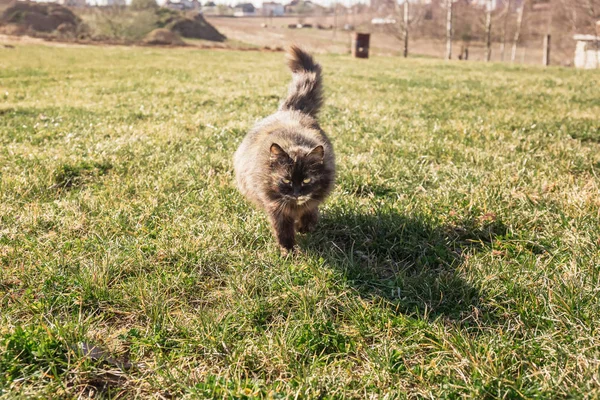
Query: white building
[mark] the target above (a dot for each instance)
(110, 3)
(272, 9)
(73, 3)
(183, 4)
(498, 4)
(210, 8)
(587, 52)
(244, 10)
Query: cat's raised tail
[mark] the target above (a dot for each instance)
(305, 92)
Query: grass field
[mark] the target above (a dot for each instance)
(458, 256)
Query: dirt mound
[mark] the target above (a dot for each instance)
(196, 27)
(163, 37)
(38, 17)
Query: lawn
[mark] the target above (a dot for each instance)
(457, 257)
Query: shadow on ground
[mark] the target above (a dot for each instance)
(408, 262)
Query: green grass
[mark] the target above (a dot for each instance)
(458, 256)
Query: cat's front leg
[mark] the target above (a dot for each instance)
(308, 221)
(283, 226)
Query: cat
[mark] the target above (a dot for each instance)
(286, 164)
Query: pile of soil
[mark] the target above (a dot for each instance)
(191, 25)
(28, 16)
(196, 27)
(163, 37)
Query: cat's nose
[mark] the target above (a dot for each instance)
(296, 192)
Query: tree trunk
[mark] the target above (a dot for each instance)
(449, 29)
(518, 31)
(405, 28)
(505, 30)
(334, 19)
(488, 32)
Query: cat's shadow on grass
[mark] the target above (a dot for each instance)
(414, 266)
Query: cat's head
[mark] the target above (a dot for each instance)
(300, 176)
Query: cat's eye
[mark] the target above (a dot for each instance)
(287, 181)
(307, 180)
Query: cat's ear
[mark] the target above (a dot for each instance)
(277, 153)
(316, 154)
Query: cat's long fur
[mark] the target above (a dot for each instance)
(289, 146)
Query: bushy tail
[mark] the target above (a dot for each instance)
(305, 92)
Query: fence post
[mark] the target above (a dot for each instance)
(546, 59)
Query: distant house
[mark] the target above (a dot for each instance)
(244, 10)
(272, 9)
(209, 8)
(115, 3)
(359, 8)
(183, 4)
(73, 3)
(302, 7)
(383, 6)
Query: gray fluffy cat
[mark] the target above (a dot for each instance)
(286, 163)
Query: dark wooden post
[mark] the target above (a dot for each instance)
(546, 59)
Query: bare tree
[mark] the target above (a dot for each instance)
(488, 31)
(405, 18)
(513, 55)
(405, 28)
(448, 29)
(546, 45)
(591, 8)
(143, 4)
(335, 7)
(504, 29)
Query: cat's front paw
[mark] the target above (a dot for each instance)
(307, 228)
(308, 222)
(288, 251)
